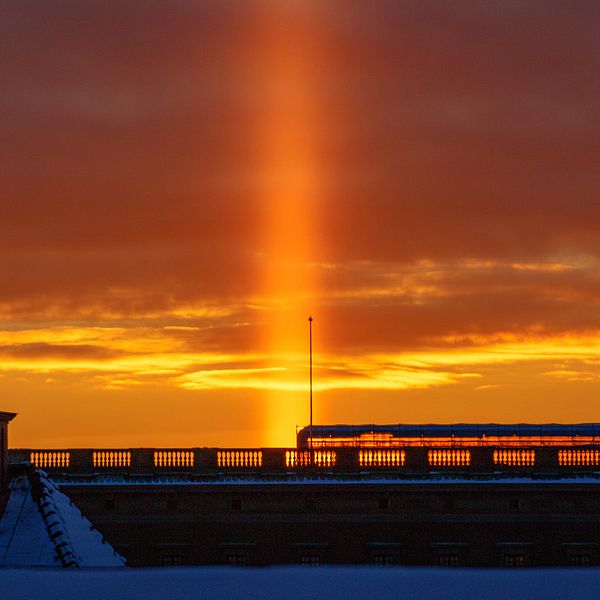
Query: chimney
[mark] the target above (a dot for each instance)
(5, 418)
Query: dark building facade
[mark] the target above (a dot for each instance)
(461, 495)
(327, 521)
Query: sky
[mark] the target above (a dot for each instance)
(184, 183)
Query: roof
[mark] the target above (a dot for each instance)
(41, 527)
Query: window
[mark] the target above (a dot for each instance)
(514, 503)
(384, 560)
(238, 560)
(383, 503)
(172, 560)
(514, 560)
(109, 504)
(579, 560)
(236, 503)
(310, 560)
(449, 560)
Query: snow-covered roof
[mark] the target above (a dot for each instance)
(42, 527)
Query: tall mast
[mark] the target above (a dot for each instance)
(310, 320)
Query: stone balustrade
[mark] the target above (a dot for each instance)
(211, 461)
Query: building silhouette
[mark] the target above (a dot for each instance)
(447, 495)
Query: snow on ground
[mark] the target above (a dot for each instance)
(300, 583)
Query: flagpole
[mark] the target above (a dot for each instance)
(310, 320)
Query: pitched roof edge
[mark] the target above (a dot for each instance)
(41, 493)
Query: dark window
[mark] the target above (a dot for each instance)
(514, 560)
(172, 560)
(310, 560)
(239, 560)
(514, 504)
(109, 504)
(236, 503)
(384, 560)
(579, 560)
(383, 503)
(448, 560)
(448, 503)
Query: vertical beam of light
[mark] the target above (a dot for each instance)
(290, 129)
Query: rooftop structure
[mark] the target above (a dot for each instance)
(5, 419)
(526, 435)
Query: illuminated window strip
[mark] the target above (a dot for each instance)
(578, 458)
(383, 441)
(515, 458)
(449, 458)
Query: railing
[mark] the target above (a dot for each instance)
(108, 459)
(449, 458)
(578, 458)
(295, 458)
(514, 458)
(324, 458)
(239, 459)
(50, 459)
(381, 458)
(173, 458)
(255, 461)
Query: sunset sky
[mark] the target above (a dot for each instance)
(183, 183)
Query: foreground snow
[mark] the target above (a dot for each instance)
(295, 583)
